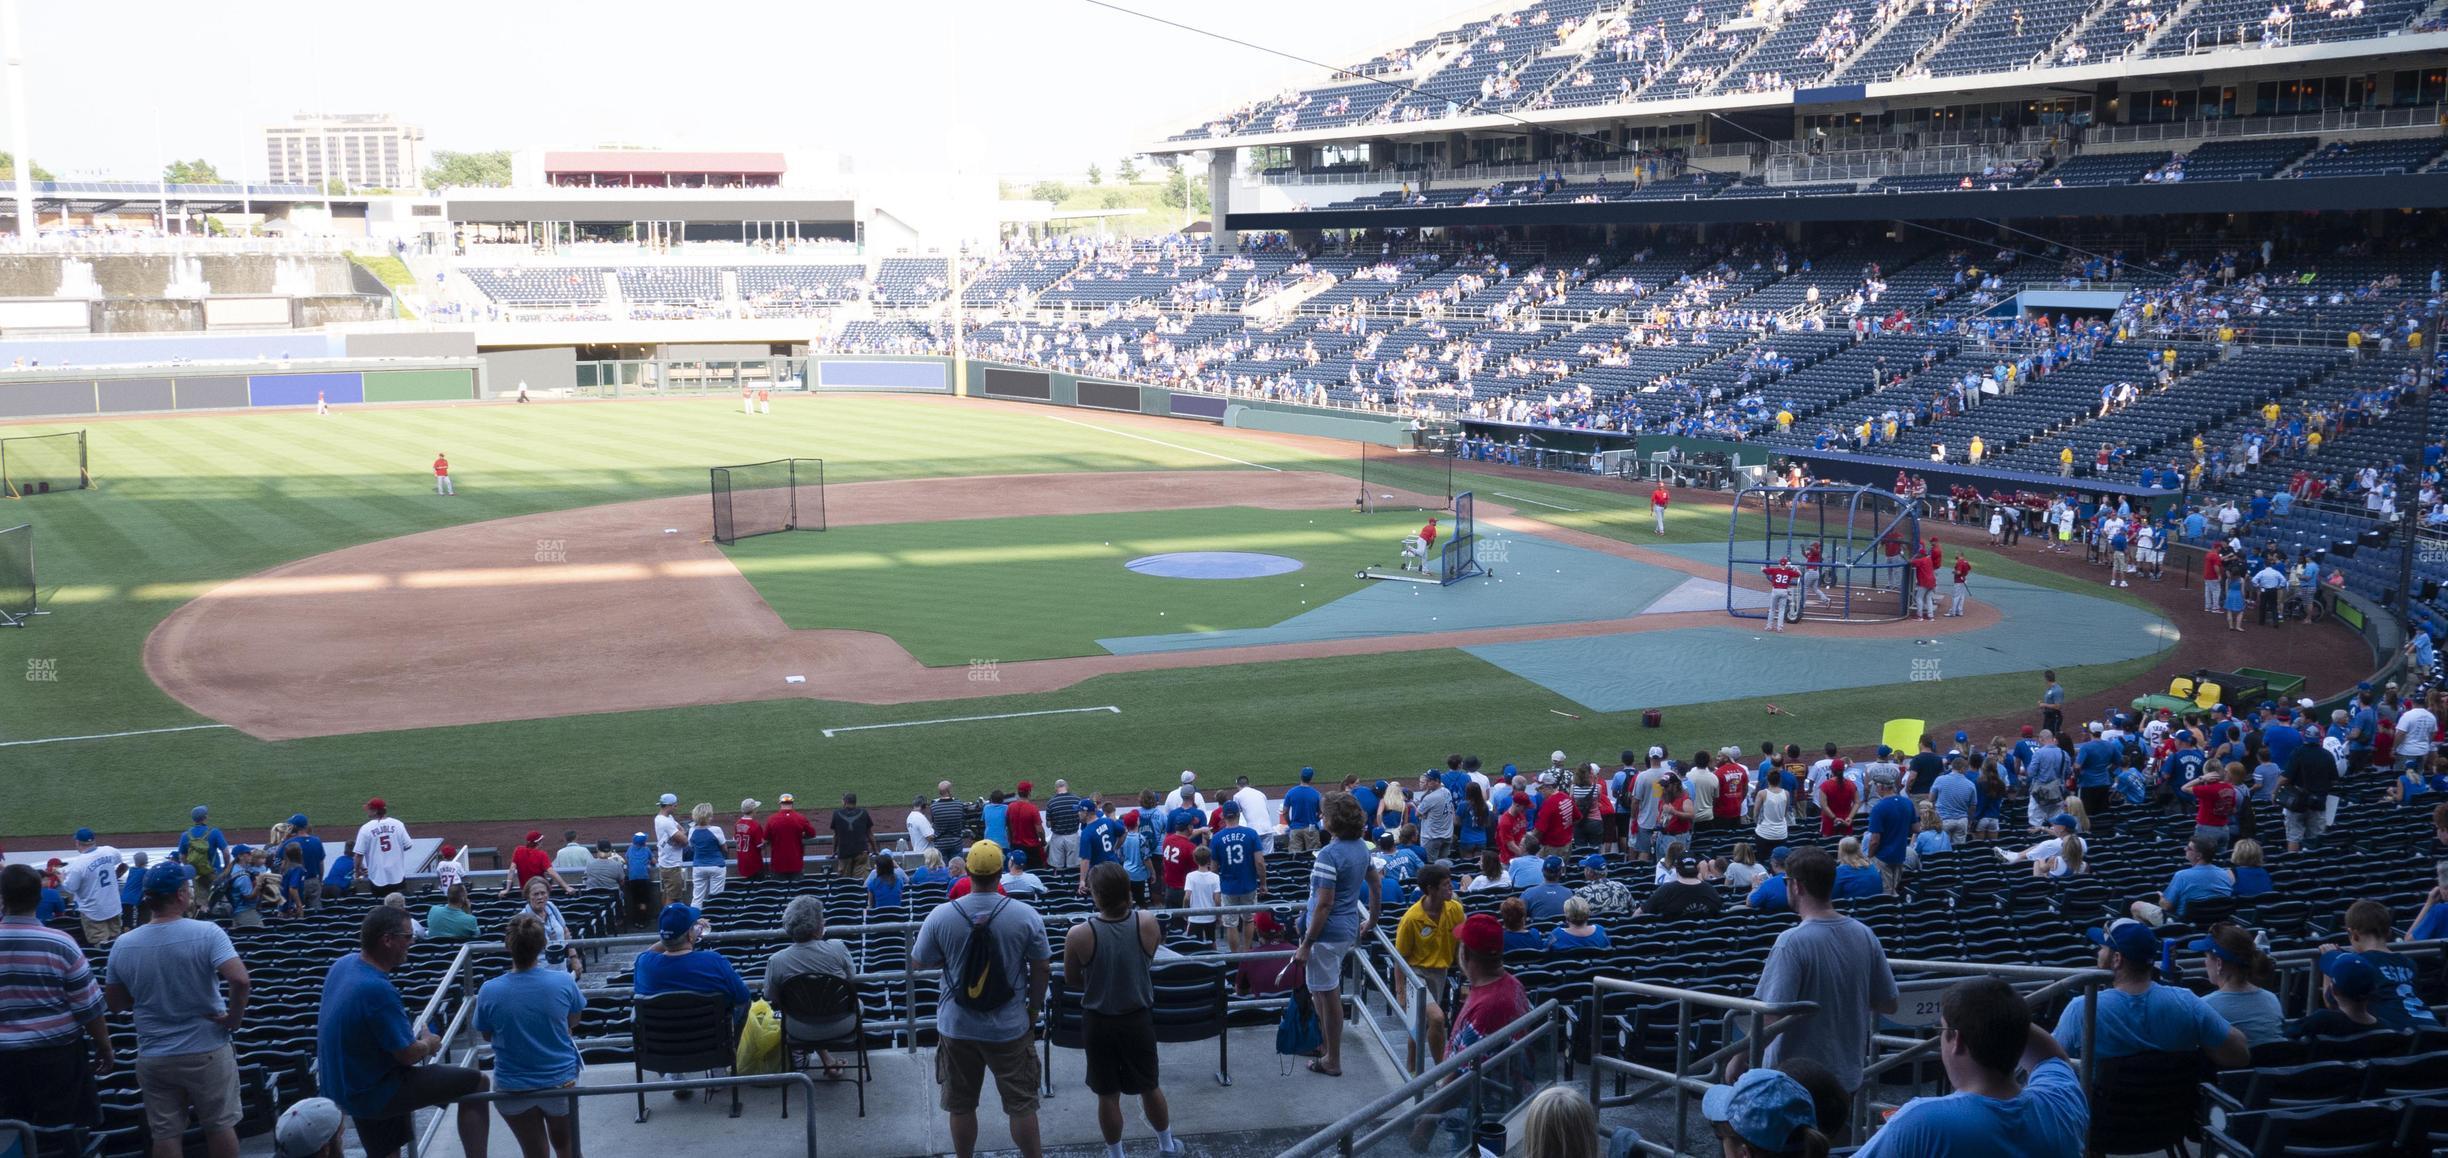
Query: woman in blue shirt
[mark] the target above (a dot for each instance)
(996, 818)
(1518, 934)
(884, 884)
(1471, 822)
(547, 915)
(1577, 933)
(1932, 837)
(930, 870)
(2251, 880)
(1856, 875)
(706, 859)
(530, 1015)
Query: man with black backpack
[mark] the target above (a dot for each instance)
(995, 963)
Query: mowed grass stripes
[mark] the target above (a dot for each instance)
(190, 501)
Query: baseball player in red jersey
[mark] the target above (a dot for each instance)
(1813, 574)
(1925, 587)
(1419, 546)
(1963, 580)
(442, 483)
(1783, 576)
(1657, 506)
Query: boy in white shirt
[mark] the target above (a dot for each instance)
(1202, 889)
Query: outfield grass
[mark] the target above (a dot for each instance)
(1058, 582)
(186, 502)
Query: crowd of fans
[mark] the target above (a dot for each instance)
(1568, 848)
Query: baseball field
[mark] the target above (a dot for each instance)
(271, 612)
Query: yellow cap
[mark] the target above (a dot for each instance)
(985, 859)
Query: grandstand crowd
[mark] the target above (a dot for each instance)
(150, 1002)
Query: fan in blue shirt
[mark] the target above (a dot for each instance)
(1101, 838)
(1989, 1036)
(678, 966)
(2095, 763)
(1238, 861)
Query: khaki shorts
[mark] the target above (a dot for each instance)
(1236, 920)
(960, 1067)
(99, 933)
(1304, 840)
(207, 1081)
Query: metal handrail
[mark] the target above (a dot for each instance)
(806, 1085)
(1753, 1044)
(1344, 1134)
(27, 1138)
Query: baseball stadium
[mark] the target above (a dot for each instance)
(1584, 577)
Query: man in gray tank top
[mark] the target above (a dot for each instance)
(1106, 958)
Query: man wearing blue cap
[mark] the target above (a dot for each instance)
(639, 893)
(1763, 1112)
(311, 853)
(1546, 898)
(202, 847)
(1300, 809)
(91, 879)
(170, 971)
(1985, 1034)
(2349, 982)
(1769, 896)
(676, 965)
(2140, 1015)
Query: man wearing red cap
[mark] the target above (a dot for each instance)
(1658, 499)
(381, 848)
(1495, 999)
(1026, 825)
(527, 862)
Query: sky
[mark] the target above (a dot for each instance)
(1043, 87)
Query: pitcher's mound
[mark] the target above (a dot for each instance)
(1213, 565)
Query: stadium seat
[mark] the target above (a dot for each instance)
(817, 997)
(2146, 1102)
(682, 1033)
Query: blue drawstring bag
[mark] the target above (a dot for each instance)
(1297, 1033)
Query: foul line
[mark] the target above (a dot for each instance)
(1161, 442)
(1535, 502)
(830, 732)
(112, 735)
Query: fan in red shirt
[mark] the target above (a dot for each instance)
(1179, 852)
(529, 861)
(1733, 783)
(960, 888)
(1838, 796)
(788, 833)
(1556, 817)
(1513, 826)
(1026, 825)
(751, 838)
(2214, 800)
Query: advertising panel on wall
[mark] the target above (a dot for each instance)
(1108, 396)
(1002, 382)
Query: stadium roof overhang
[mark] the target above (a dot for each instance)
(2415, 191)
(2129, 74)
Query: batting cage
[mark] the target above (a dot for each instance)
(1457, 555)
(760, 498)
(1852, 545)
(42, 463)
(17, 595)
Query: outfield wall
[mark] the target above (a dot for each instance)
(49, 393)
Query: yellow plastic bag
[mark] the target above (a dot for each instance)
(760, 1042)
